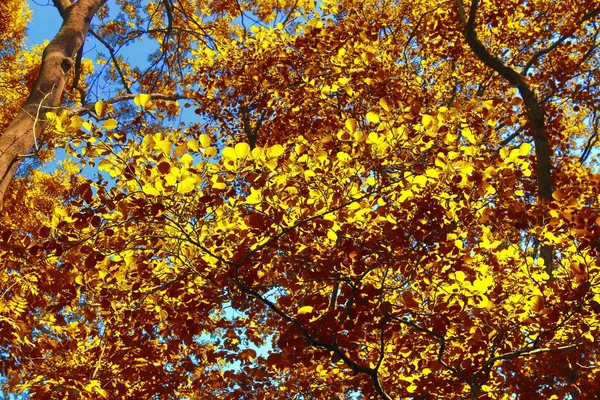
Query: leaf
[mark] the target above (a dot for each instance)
(205, 140)
(242, 150)
(343, 135)
(187, 159)
(143, 100)
(164, 167)
(558, 194)
(420, 180)
(187, 185)
(255, 196)
(229, 152)
(426, 120)
(210, 152)
(350, 124)
(372, 117)
(217, 182)
(275, 151)
(110, 124)
(383, 104)
(468, 134)
(309, 173)
(192, 144)
(331, 235)
(305, 310)
(525, 149)
(460, 276)
(100, 108)
(150, 190)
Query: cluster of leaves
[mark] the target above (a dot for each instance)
(355, 211)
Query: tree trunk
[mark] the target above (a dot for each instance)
(19, 138)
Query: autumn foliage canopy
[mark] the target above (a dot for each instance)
(301, 200)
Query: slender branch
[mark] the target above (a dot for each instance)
(542, 52)
(154, 96)
(113, 57)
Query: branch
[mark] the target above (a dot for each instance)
(535, 112)
(154, 96)
(542, 52)
(357, 368)
(113, 57)
(529, 352)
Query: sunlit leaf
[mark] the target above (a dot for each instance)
(372, 117)
(305, 310)
(143, 100)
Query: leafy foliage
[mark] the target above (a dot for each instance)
(358, 207)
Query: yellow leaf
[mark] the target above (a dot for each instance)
(79, 280)
(468, 134)
(351, 124)
(412, 388)
(332, 235)
(373, 117)
(76, 122)
(100, 108)
(162, 144)
(255, 196)
(426, 120)
(242, 150)
(179, 150)
(205, 140)
(420, 180)
(150, 190)
(305, 310)
(432, 173)
(275, 151)
(142, 100)
(187, 159)
(110, 124)
(210, 152)
(460, 276)
(344, 157)
(482, 285)
(87, 125)
(187, 185)
(271, 164)
(524, 149)
(309, 174)
(192, 144)
(229, 152)
(384, 105)
(217, 182)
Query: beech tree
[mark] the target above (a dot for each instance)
(373, 199)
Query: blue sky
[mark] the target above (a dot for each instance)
(44, 23)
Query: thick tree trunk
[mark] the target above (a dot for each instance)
(57, 59)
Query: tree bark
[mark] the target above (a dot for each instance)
(57, 59)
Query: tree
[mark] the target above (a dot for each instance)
(375, 200)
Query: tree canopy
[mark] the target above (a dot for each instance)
(301, 200)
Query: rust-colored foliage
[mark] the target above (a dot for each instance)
(373, 199)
